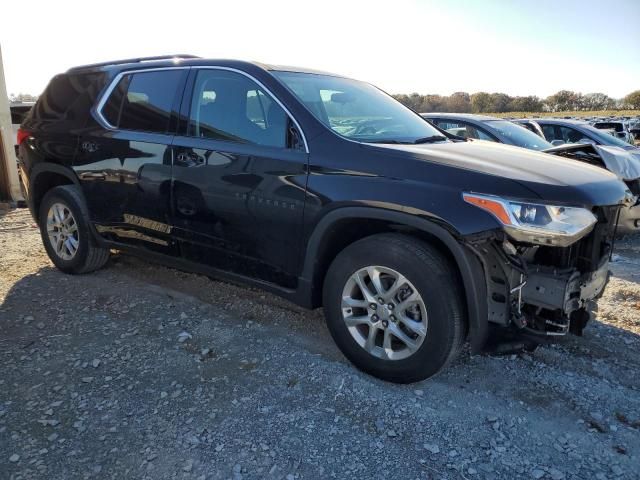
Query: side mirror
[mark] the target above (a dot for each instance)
(557, 143)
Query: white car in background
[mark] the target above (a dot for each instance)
(18, 111)
(619, 129)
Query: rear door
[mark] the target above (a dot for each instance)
(239, 178)
(124, 162)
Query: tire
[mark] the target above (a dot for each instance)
(425, 271)
(87, 256)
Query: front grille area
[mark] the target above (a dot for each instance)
(586, 254)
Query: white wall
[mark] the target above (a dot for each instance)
(7, 138)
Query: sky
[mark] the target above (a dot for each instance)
(518, 47)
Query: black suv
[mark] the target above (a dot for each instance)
(324, 190)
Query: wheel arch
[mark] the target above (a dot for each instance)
(44, 177)
(342, 226)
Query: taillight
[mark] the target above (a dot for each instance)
(23, 135)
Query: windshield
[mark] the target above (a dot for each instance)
(605, 138)
(357, 110)
(519, 135)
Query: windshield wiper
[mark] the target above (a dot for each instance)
(395, 142)
(431, 139)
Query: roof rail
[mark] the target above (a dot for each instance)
(130, 60)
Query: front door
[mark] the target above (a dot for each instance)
(239, 179)
(125, 169)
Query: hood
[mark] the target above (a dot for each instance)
(624, 163)
(621, 161)
(550, 177)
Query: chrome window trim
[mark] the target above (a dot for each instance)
(109, 90)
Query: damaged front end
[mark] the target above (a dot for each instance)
(546, 286)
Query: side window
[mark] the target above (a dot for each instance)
(258, 104)
(571, 135)
(143, 101)
(464, 129)
(229, 106)
(452, 126)
(481, 134)
(549, 133)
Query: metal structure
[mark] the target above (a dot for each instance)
(9, 181)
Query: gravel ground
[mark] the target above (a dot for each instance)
(140, 371)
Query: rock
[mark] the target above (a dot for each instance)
(188, 466)
(95, 363)
(537, 473)
(379, 425)
(53, 437)
(183, 316)
(556, 474)
(391, 433)
(87, 379)
(432, 447)
(40, 325)
(163, 394)
(184, 336)
(453, 453)
(14, 458)
(418, 393)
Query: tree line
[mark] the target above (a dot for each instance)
(483, 102)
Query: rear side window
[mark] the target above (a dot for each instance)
(143, 101)
(69, 98)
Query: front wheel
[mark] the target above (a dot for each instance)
(64, 227)
(394, 308)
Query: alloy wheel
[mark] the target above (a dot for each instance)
(384, 313)
(62, 230)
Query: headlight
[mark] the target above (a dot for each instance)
(535, 222)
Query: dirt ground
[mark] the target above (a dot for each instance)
(141, 371)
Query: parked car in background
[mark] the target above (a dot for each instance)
(634, 128)
(617, 129)
(19, 111)
(326, 191)
(482, 127)
(561, 131)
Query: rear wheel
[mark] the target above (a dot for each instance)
(64, 227)
(394, 308)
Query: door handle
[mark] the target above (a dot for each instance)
(93, 176)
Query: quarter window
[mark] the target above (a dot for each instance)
(143, 101)
(229, 106)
